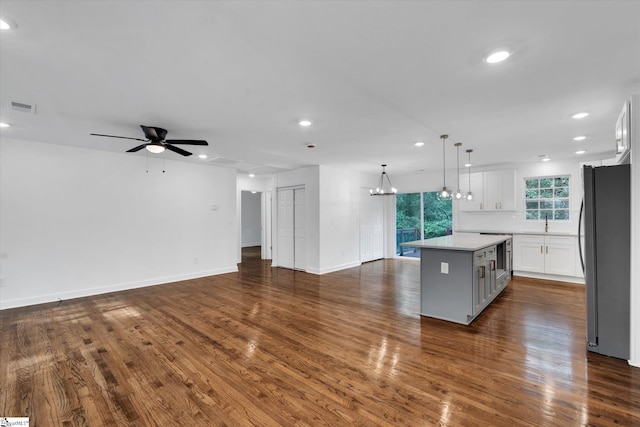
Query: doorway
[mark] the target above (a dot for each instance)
(251, 221)
(421, 216)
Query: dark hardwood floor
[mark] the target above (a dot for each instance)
(268, 346)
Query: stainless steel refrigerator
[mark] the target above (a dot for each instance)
(607, 260)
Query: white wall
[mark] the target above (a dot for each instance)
(77, 222)
(251, 209)
(339, 220)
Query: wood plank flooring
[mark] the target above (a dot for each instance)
(274, 347)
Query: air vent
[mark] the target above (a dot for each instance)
(22, 107)
(223, 162)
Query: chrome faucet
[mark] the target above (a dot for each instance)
(546, 223)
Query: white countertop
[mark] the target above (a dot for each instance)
(536, 233)
(459, 241)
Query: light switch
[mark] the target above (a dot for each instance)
(444, 267)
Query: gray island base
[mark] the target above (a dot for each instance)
(461, 274)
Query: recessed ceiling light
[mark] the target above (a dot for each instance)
(580, 152)
(311, 145)
(4, 125)
(467, 165)
(580, 115)
(251, 175)
(497, 56)
(546, 159)
(7, 24)
(305, 122)
(418, 143)
(579, 138)
(202, 156)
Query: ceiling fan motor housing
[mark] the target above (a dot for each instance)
(154, 134)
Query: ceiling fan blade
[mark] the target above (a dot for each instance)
(177, 150)
(138, 148)
(187, 141)
(115, 136)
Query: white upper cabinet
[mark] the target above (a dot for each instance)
(492, 191)
(499, 191)
(476, 182)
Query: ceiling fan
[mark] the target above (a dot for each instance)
(156, 142)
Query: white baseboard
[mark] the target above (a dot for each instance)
(554, 277)
(79, 293)
(334, 268)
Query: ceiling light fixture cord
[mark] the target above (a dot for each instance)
(444, 194)
(458, 191)
(469, 194)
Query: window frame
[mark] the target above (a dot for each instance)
(559, 200)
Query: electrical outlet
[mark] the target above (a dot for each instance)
(444, 267)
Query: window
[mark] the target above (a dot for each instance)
(547, 198)
(418, 216)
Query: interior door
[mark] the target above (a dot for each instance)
(371, 230)
(285, 228)
(299, 225)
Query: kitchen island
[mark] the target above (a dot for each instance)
(461, 274)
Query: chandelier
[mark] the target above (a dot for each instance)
(384, 187)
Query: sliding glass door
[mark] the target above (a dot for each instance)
(418, 216)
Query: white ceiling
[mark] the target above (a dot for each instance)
(373, 77)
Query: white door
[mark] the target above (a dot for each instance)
(285, 228)
(291, 229)
(299, 223)
(371, 229)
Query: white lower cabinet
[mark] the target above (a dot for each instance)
(545, 254)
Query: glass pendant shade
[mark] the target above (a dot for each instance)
(445, 193)
(384, 187)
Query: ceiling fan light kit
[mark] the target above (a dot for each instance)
(156, 143)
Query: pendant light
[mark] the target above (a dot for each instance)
(444, 194)
(469, 195)
(380, 190)
(458, 194)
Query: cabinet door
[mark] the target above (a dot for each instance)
(479, 287)
(508, 197)
(492, 191)
(528, 253)
(475, 182)
(499, 191)
(560, 255)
